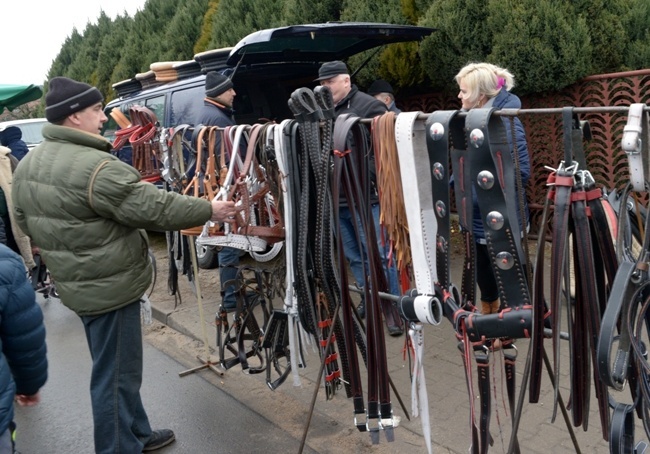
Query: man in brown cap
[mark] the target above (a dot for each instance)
(87, 212)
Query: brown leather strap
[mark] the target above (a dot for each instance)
(195, 183)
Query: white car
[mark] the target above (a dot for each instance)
(30, 127)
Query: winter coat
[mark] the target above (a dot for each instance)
(394, 108)
(3, 233)
(23, 360)
(507, 100)
(362, 105)
(12, 138)
(87, 211)
(6, 178)
(215, 114)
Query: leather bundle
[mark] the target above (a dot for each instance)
(142, 135)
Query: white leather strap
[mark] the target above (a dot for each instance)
(419, 396)
(234, 240)
(633, 145)
(418, 201)
(290, 300)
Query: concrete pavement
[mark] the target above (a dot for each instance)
(449, 404)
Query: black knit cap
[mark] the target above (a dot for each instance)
(379, 86)
(331, 69)
(215, 84)
(66, 96)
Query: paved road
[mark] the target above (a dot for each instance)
(445, 376)
(204, 418)
(193, 405)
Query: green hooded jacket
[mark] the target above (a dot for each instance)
(87, 211)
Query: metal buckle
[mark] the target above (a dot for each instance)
(361, 426)
(374, 429)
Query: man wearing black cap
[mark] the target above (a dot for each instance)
(348, 99)
(217, 111)
(217, 105)
(383, 91)
(87, 211)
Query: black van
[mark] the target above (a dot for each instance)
(265, 66)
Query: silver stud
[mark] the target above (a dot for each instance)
(438, 171)
(505, 260)
(485, 179)
(442, 244)
(476, 137)
(495, 220)
(437, 131)
(441, 209)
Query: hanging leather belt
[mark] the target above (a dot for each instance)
(626, 313)
(490, 165)
(428, 218)
(349, 322)
(315, 167)
(356, 184)
(284, 146)
(580, 210)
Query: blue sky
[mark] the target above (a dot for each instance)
(33, 32)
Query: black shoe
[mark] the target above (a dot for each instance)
(159, 439)
(395, 330)
(361, 309)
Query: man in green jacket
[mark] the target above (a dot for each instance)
(88, 211)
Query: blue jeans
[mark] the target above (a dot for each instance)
(228, 264)
(6, 446)
(354, 250)
(115, 342)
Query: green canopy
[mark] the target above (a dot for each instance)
(12, 96)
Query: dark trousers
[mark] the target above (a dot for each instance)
(487, 283)
(228, 269)
(115, 342)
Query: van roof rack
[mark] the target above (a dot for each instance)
(127, 86)
(164, 71)
(213, 60)
(187, 69)
(147, 79)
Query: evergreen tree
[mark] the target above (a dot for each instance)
(66, 55)
(235, 19)
(203, 42)
(146, 44)
(108, 67)
(462, 36)
(397, 63)
(547, 44)
(310, 12)
(608, 37)
(544, 43)
(84, 65)
(637, 23)
(184, 30)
